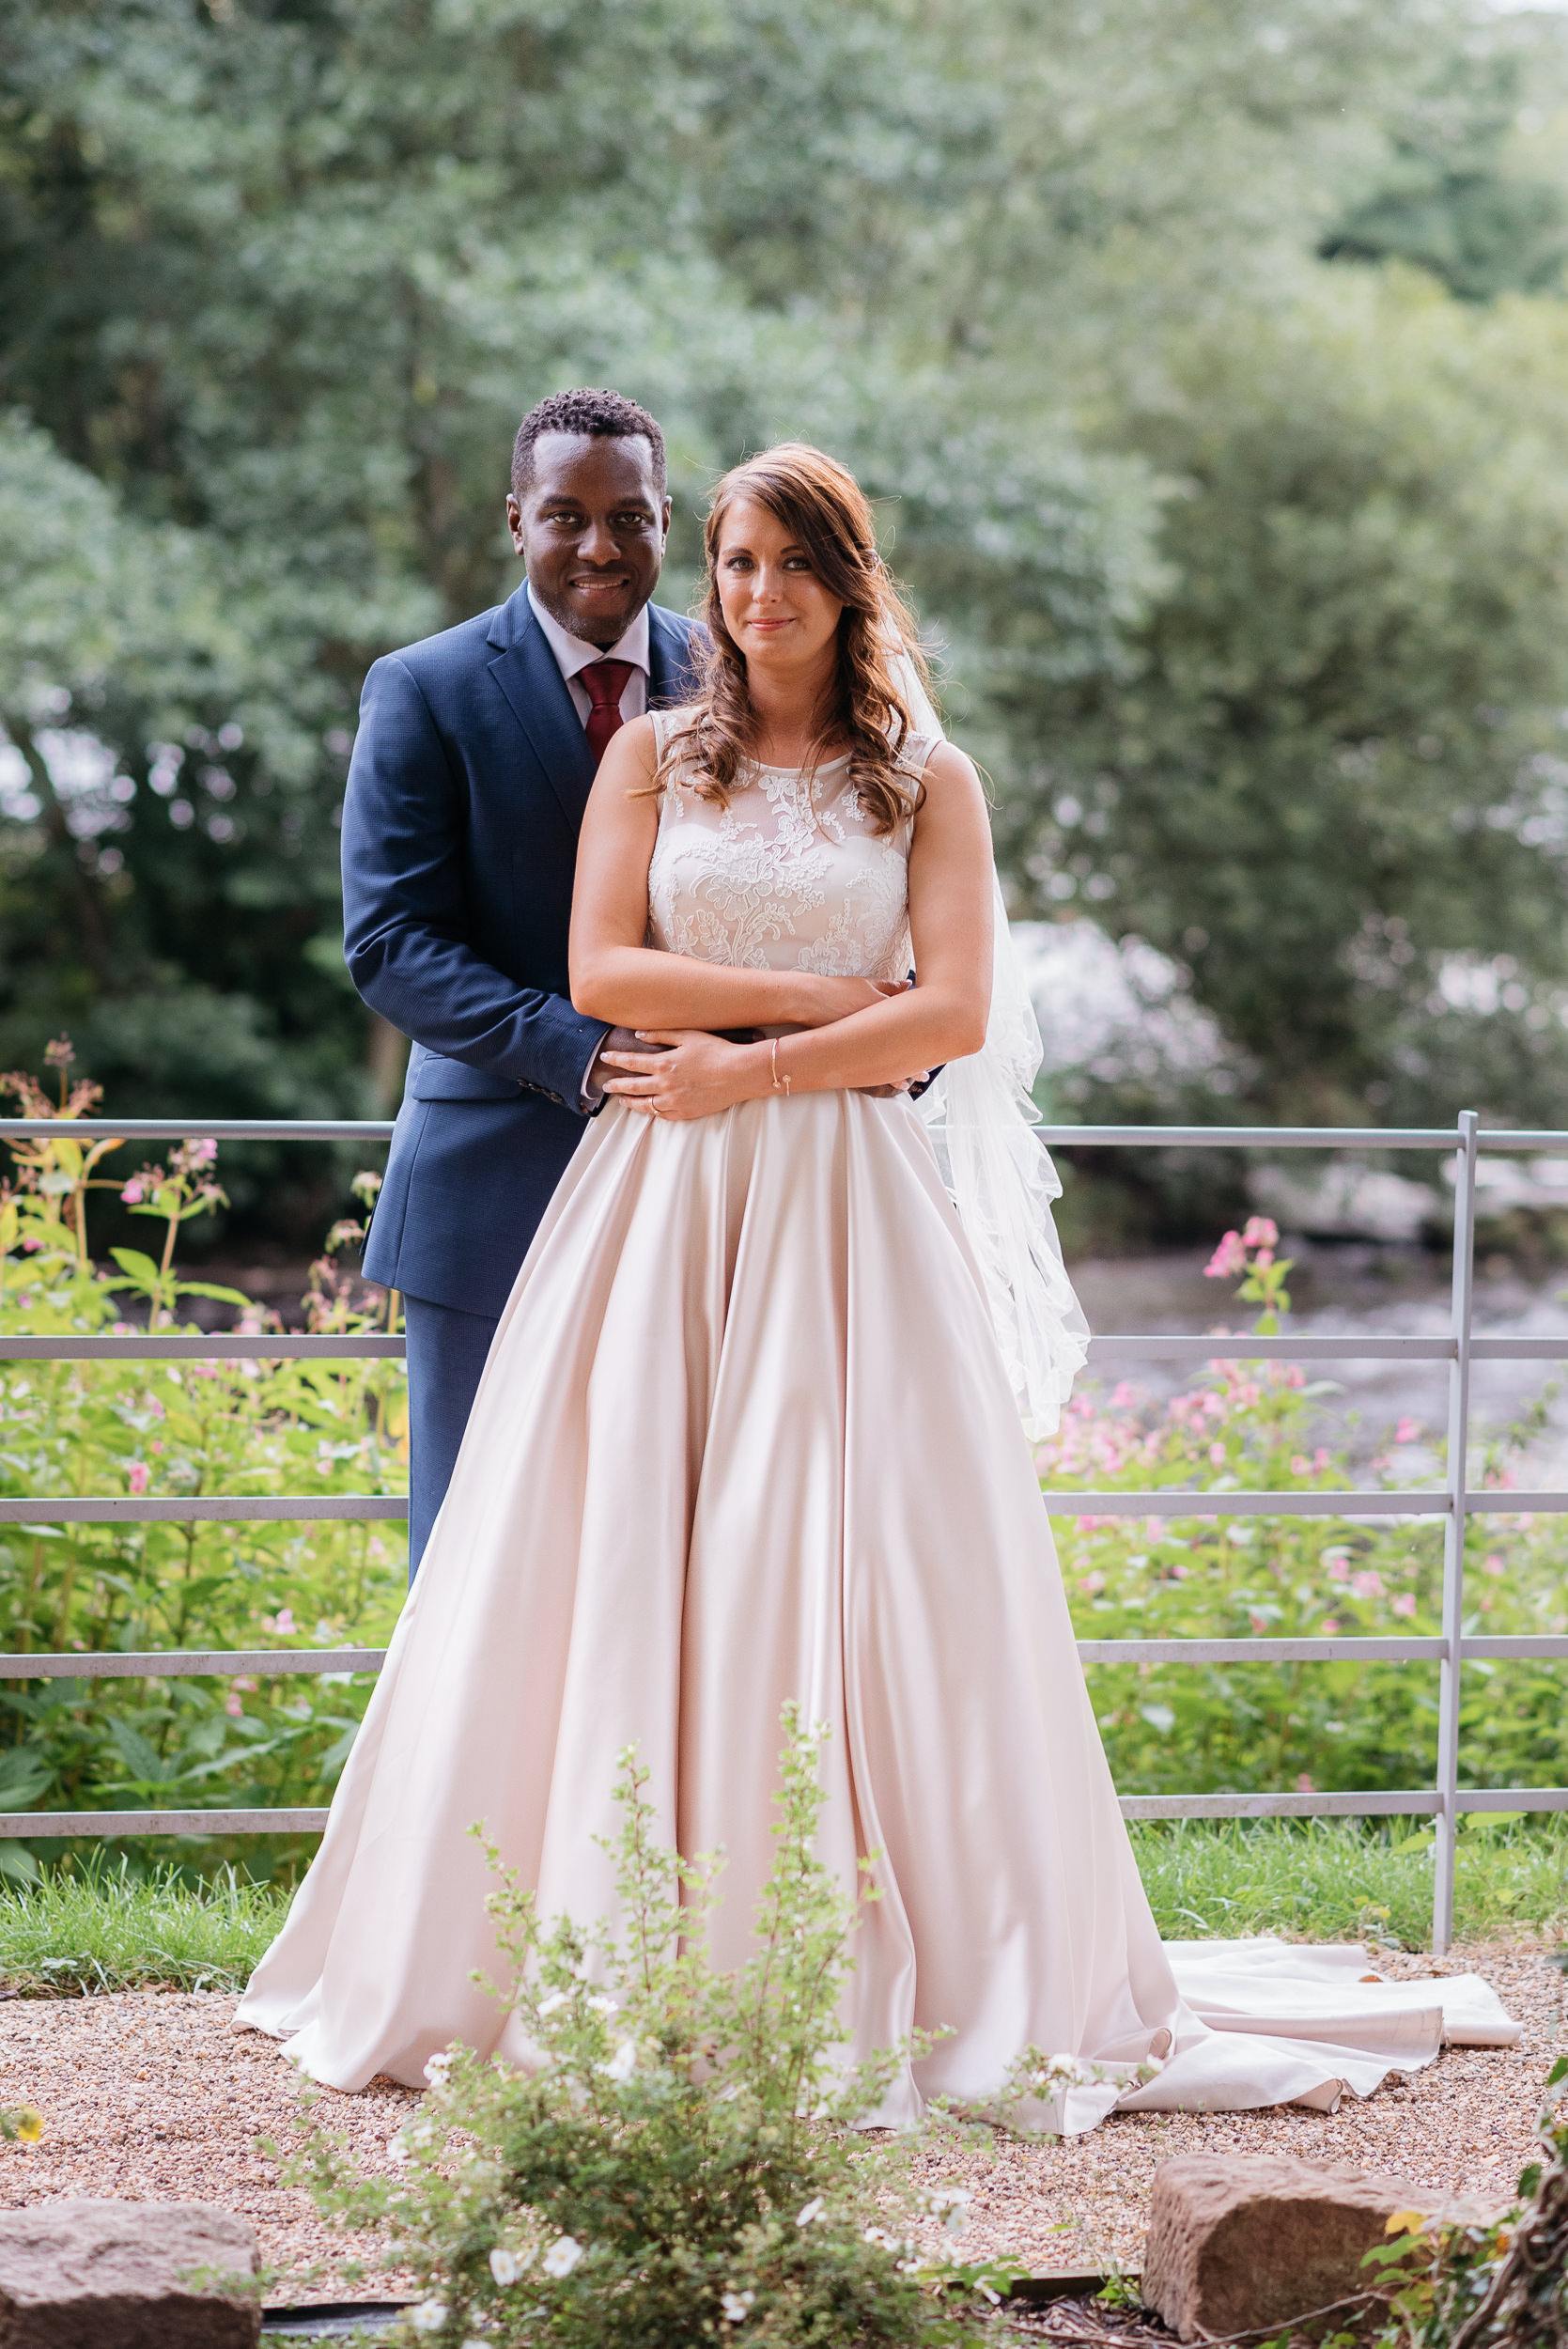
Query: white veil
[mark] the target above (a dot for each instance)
(981, 1118)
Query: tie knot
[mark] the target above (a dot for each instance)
(605, 682)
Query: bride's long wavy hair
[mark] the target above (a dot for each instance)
(829, 516)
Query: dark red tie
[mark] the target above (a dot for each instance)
(605, 681)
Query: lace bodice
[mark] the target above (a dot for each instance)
(789, 876)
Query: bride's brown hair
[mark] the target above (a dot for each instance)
(829, 516)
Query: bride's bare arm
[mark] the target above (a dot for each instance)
(941, 1019)
(615, 977)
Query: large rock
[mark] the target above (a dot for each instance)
(1240, 2242)
(107, 2276)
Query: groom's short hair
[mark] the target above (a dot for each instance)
(597, 413)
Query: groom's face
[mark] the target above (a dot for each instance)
(591, 525)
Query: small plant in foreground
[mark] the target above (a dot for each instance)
(680, 2163)
(1503, 2286)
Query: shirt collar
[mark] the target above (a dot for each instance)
(572, 654)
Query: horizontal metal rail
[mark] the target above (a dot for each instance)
(267, 1663)
(1155, 1347)
(199, 1508)
(1413, 1803)
(277, 1662)
(1459, 1351)
(224, 1345)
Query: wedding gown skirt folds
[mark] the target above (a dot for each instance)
(745, 1435)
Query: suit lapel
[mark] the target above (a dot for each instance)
(524, 669)
(670, 680)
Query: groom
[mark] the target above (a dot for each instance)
(472, 767)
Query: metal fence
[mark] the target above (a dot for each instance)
(1444, 1802)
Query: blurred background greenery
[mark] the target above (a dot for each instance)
(1210, 358)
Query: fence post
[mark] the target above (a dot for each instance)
(1454, 1534)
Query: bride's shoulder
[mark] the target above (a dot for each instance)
(949, 772)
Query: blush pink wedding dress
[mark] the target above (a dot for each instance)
(746, 1435)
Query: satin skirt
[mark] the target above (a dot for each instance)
(744, 1436)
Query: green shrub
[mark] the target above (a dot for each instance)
(682, 2163)
(1197, 1728)
(314, 1428)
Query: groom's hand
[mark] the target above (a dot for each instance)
(687, 1073)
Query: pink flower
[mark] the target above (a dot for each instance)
(1304, 1785)
(1259, 1624)
(1493, 1566)
(1405, 1603)
(1124, 1396)
(1090, 1583)
(1301, 1465)
(1338, 1565)
(136, 1475)
(1218, 1454)
(1408, 1431)
(233, 1707)
(1265, 1256)
(203, 1153)
(281, 1625)
(1320, 1459)
(1228, 1259)
(1366, 1584)
(1330, 1627)
(133, 1194)
(1262, 1232)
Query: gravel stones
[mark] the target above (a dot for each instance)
(1235, 2246)
(81, 2275)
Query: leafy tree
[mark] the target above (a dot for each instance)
(1336, 789)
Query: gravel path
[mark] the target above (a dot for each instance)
(149, 2096)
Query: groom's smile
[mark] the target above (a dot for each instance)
(590, 525)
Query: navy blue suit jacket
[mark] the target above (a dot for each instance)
(466, 791)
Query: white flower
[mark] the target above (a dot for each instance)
(439, 2070)
(622, 2062)
(812, 2211)
(556, 2000)
(949, 2197)
(604, 2006)
(472, 2343)
(562, 2255)
(881, 2234)
(428, 2317)
(397, 2152)
(505, 2266)
(737, 2306)
(1067, 2069)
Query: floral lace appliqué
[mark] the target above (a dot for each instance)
(786, 876)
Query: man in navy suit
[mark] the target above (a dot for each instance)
(474, 757)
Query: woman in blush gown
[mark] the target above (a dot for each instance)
(749, 1432)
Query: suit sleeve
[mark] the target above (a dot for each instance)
(405, 911)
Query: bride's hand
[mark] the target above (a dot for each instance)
(826, 1000)
(688, 1074)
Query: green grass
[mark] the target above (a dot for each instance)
(1315, 1879)
(102, 1929)
(1340, 1880)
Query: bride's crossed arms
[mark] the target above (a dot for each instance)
(855, 1033)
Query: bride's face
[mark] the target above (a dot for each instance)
(775, 607)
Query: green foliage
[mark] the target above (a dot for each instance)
(1191, 1728)
(680, 2162)
(183, 1429)
(1334, 789)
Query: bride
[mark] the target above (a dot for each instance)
(749, 1432)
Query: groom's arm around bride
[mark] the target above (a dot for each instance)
(474, 757)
